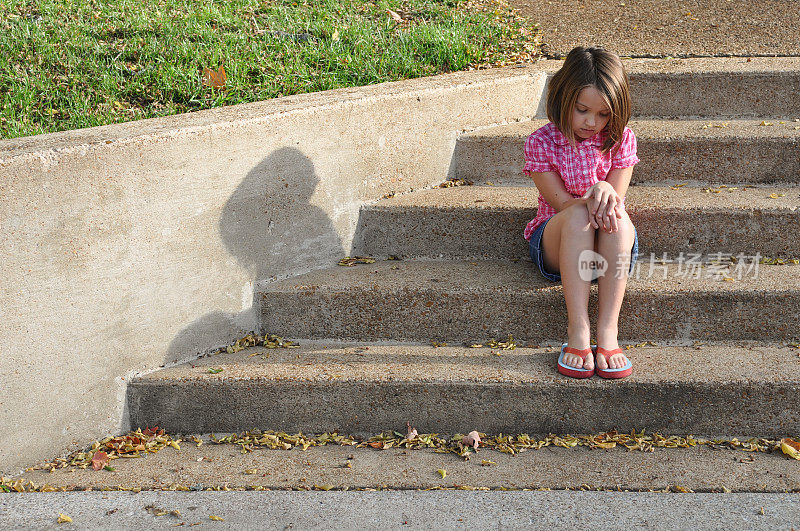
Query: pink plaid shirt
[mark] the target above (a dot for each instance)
(547, 149)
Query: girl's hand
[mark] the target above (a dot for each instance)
(604, 206)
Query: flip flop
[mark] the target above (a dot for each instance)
(574, 372)
(622, 372)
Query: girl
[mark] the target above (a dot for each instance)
(582, 162)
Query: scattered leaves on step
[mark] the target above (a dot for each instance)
(214, 78)
(257, 340)
(642, 344)
(791, 448)
(215, 370)
(487, 462)
(216, 518)
(411, 433)
(273, 440)
(779, 261)
(677, 186)
(158, 511)
(765, 123)
(99, 460)
(503, 345)
(134, 444)
(442, 472)
(776, 196)
(349, 261)
(455, 182)
(472, 440)
(251, 471)
(325, 487)
(436, 344)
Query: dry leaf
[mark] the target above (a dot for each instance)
(472, 439)
(335, 36)
(351, 261)
(791, 448)
(412, 432)
(396, 17)
(99, 460)
(63, 519)
(214, 78)
(216, 518)
(442, 472)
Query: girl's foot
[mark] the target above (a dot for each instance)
(573, 360)
(616, 361)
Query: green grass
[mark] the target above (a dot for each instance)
(72, 64)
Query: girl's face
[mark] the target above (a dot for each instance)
(590, 115)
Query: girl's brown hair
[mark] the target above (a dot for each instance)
(590, 67)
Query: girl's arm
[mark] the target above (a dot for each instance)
(604, 199)
(553, 190)
(620, 179)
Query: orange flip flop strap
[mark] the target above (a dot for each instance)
(580, 353)
(608, 353)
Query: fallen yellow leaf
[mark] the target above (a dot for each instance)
(63, 519)
(217, 518)
(791, 448)
(442, 472)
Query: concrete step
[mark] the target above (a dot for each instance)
(488, 221)
(715, 87)
(393, 509)
(466, 301)
(713, 151)
(722, 388)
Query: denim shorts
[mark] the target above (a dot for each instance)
(537, 252)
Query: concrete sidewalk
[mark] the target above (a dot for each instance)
(658, 28)
(401, 510)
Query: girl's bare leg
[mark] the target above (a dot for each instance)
(616, 250)
(566, 235)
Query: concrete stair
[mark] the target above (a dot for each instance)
(714, 151)
(470, 301)
(487, 221)
(361, 388)
(712, 179)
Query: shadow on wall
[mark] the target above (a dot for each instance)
(270, 226)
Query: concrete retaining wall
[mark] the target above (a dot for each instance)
(132, 246)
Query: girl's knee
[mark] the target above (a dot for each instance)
(624, 233)
(577, 219)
